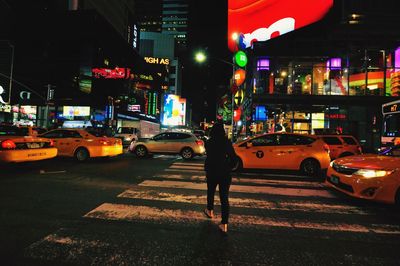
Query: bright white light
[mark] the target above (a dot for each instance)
(367, 173)
(200, 57)
(235, 36)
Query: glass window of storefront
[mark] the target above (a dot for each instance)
(361, 72)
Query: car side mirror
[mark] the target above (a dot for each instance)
(249, 144)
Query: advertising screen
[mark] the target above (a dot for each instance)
(76, 111)
(261, 20)
(107, 73)
(174, 111)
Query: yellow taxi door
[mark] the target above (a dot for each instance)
(288, 151)
(57, 136)
(259, 152)
(72, 139)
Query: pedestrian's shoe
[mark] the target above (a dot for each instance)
(209, 213)
(223, 228)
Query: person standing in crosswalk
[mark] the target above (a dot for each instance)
(218, 165)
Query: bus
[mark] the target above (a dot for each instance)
(391, 124)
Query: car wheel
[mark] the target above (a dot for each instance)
(187, 153)
(141, 151)
(238, 166)
(345, 154)
(310, 167)
(82, 154)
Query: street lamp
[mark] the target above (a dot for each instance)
(201, 57)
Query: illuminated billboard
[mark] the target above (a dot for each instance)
(76, 111)
(261, 20)
(174, 111)
(108, 73)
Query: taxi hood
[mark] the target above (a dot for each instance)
(370, 161)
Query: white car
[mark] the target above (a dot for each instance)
(127, 135)
(185, 144)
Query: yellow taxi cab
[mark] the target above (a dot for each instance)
(83, 144)
(342, 145)
(285, 151)
(18, 145)
(370, 176)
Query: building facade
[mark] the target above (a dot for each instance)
(331, 76)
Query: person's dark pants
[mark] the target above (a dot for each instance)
(224, 182)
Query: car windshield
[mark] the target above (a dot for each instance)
(97, 132)
(125, 130)
(13, 131)
(391, 151)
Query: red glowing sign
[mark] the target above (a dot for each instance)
(107, 73)
(236, 115)
(261, 20)
(336, 116)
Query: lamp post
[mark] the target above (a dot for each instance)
(201, 57)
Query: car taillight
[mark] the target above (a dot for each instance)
(326, 148)
(103, 142)
(359, 149)
(199, 142)
(118, 141)
(51, 143)
(8, 144)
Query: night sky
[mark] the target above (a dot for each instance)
(204, 84)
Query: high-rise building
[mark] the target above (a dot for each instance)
(148, 14)
(175, 15)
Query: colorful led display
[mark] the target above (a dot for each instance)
(107, 73)
(174, 110)
(76, 111)
(261, 20)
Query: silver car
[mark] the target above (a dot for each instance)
(185, 144)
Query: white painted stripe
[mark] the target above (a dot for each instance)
(244, 189)
(191, 164)
(186, 167)
(43, 172)
(304, 206)
(108, 211)
(183, 170)
(246, 180)
(275, 175)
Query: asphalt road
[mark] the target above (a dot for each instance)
(129, 211)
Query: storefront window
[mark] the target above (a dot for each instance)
(281, 81)
(319, 79)
(392, 82)
(357, 81)
(302, 79)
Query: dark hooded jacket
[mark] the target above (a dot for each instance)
(220, 153)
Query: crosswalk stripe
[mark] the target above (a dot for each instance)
(183, 170)
(200, 168)
(192, 164)
(109, 211)
(244, 180)
(243, 202)
(243, 189)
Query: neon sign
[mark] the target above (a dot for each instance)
(156, 60)
(261, 20)
(107, 73)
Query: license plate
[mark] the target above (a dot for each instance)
(334, 179)
(33, 145)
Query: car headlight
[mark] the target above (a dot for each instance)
(128, 139)
(367, 173)
(331, 164)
